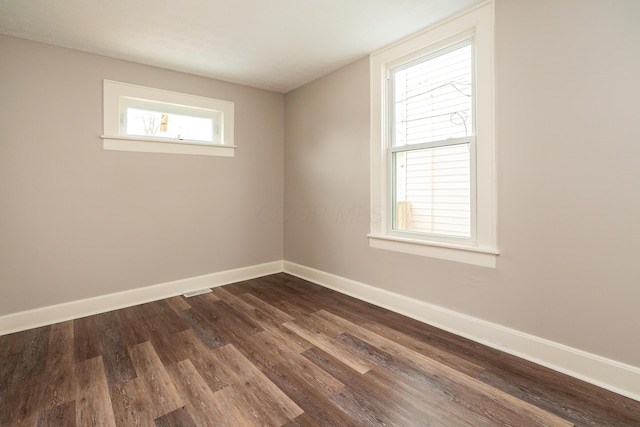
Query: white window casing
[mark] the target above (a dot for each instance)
(475, 242)
(144, 119)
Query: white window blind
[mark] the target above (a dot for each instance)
(433, 144)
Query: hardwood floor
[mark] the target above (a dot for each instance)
(279, 351)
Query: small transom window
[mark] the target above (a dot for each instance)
(138, 118)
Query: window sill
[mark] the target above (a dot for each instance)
(141, 145)
(484, 257)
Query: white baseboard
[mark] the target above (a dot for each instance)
(606, 373)
(24, 320)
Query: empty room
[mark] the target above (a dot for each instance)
(319, 213)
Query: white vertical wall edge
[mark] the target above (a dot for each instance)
(76, 309)
(603, 372)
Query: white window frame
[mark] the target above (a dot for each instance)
(482, 248)
(118, 95)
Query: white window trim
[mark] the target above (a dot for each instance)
(114, 138)
(483, 251)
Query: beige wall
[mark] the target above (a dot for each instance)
(77, 221)
(568, 169)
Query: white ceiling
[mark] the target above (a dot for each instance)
(277, 45)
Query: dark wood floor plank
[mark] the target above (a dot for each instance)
(8, 365)
(178, 303)
(403, 370)
(164, 342)
(238, 288)
(206, 407)
(231, 324)
(448, 377)
(451, 360)
(566, 397)
(338, 350)
(302, 381)
(438, 378)
(231, 299)
(198, 397)
(22, 389)
(303, 420)
(241, 411)
(60, 369)
(327, 299)
(292, 309)
(472, 351)
(129, 401)
(410, 393)
(304, 391)
(270, 352)
(145, 310)
(513, 375)
(203, 328)
(437, 408)
(162, 396)
(283, 340)
(317, 323)
(178, 418)
(278, 350)
(272, 312)
(384, 343)
(205, 305)
(22, 402)
(268, 402)
(115, 356)
(367, 412)
(59, 416)
(12, 343)
(163, 312)
(93, 402)
(133, 326)
(86, 339)
(237, 322)
(33, 357)
(295, 294)
(395, 403)
(187, 347)
(263, 320)
(264, 289)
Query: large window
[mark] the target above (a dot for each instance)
(138, 118)
(432, 163)
(433, 143)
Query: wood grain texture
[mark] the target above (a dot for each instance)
(280, 351)
(178, 418)
(93, 401)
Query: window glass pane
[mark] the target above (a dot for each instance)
(432, 190)
(141, 122)
(433, 98)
